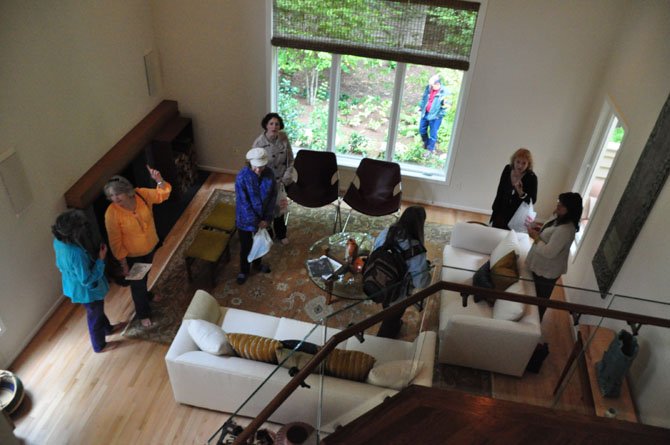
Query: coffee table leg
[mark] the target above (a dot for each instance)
(329, 292)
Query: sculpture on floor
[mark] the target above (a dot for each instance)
(611, 370)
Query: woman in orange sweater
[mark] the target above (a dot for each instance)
(132, 233)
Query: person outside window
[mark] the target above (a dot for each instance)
(433, 108)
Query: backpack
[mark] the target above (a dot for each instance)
(385, 274)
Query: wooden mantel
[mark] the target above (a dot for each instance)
(90, 185)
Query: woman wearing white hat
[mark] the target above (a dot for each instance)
(255, 196)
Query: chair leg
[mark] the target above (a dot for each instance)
(338, 217)
(286, 218)
(344, 229)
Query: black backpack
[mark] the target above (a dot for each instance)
(385, 274)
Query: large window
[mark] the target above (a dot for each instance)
(352, 73)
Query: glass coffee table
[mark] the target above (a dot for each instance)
(347, 285)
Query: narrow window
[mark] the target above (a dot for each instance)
(607, 137)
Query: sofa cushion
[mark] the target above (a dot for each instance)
(254, 347)
(203, 306)
(504, 272)
(209, 337)
(395, 375)
(508, 310)
(476, 238)
(351, 365)
(247, 322)
(288, 328)
(508, 244)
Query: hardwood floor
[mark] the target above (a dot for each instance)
(75, 396)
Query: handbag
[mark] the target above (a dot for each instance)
(261, 245)
(523, 216)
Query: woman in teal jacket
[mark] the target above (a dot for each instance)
(80, 258)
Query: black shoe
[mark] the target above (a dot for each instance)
(241, 278)
(263, 268)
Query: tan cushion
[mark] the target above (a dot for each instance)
(505, 272)
(395, 374)
(203, 307)
(351, 365)
(254, 347)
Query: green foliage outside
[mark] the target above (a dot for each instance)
(363, 107)
(617, 135)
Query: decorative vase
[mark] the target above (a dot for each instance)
(294, 433)
(611, 370)
(351, 251)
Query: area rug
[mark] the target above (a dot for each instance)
(287, 291)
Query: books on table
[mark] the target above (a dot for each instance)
(323, 267)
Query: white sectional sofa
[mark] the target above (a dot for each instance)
(478, 336)
(223, 383)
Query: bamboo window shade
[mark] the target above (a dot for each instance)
(429, 32)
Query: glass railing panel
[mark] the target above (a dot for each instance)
(621, 366)
(301, 406)
(380, 366)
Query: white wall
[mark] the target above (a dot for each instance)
(637, 82)
(214, 61)
(72, 83)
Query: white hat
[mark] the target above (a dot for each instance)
(257, 157)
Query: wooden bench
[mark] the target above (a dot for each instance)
(210, 246)
(212, 242)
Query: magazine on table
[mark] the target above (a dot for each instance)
(323, 267)
(138, 271)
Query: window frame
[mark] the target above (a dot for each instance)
(608, 113)
(425, 174)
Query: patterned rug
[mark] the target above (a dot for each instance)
(286, 291)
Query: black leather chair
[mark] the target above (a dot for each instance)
(376, 189)
(317, 183)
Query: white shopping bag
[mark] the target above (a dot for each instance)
(261, 245)
(523, 216)
(282, 201)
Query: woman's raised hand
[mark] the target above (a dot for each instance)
(155, 174)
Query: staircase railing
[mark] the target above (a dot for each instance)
(577, 310)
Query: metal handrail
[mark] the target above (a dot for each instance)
(396, 308)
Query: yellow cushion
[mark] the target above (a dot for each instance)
(222, 217)
(504, 273)
(351, 365)
(254, 347)
(208, 245)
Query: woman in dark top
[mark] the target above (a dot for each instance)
(517, 184)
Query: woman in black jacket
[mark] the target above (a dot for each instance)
(517, 184)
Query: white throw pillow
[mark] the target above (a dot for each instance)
(209, 337)
(508, 244)
(508, 310)
(395, 374)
